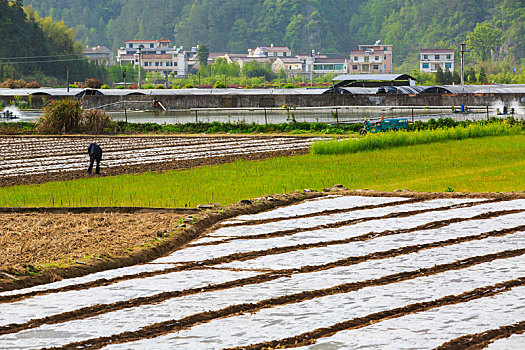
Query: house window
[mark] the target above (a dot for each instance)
(425, 57)
(338, 67)
(318, 67)
(384, 48)
(448, 65)
(354, 67)
(151, 46)
(130, 46)
(437, 57)
(425, 65)
(365, 68)
(156, 64)
(376, 66)
(367, 58)
(448, 57)
(175, 64)
(377, 58)
(356, 58)
(328, 67)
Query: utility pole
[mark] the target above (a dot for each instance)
(67, 78)
(124, 76)
(140, 64)
(462, 50)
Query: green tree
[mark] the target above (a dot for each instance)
(482, 76)
(440, 78)
(203, 53)
(447, 77)
(484, 39)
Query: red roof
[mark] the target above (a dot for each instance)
(437, 51)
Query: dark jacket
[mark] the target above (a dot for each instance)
(95, 149)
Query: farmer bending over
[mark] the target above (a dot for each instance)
(95, 153)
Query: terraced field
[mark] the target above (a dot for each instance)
(37, 159)
(336, 272)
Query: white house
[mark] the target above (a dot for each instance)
(155, 56)
(100, 54)
(290, 66)
(431, 59)
(334, 65)
(270, 51)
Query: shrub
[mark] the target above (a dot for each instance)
(93, 83)
(120, 87)
(188, 86)
(288, 86)
(219, 85)
(148, 86)
(105, 86)
(160, 86)
(60, 117)
(133, 86)
(175, 86)
(95, 121)
(33, 85)
(13, 84)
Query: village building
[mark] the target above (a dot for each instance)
(431, 59)
(291, 66)
(330, 65)
(376, 59)
(155, 56)
(101, 55)
(270, 51)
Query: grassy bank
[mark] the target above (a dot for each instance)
(494, 164)
(406, 138)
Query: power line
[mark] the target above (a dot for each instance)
(48, 61)
(62, 55)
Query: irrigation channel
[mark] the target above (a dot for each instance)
(331, 115)
(37, 159)
(335, 272)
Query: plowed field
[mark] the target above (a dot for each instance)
(337, 272)
(25, 160)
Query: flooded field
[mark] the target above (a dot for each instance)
(335, 272)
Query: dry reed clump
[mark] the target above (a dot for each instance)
(67, 116)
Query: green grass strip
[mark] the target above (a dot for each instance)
(405, 138)
(491, 164)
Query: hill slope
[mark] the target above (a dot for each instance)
(332, 26)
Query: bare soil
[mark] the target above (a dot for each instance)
(29, 241)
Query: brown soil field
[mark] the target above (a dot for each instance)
(32, 240)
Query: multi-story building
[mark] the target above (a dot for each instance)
(100, 54)
(375, 58)
(270, 51)
(155, 55)
(331, 65)
(431, 59)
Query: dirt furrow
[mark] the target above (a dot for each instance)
(140, 168)
(272, 251)
(308, 338)
(98, 309)
(283, 233)
(481, 340)
(161, 328)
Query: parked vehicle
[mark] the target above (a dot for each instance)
(383, 125)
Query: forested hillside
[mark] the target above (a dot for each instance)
(36, 48)
(330, 26)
